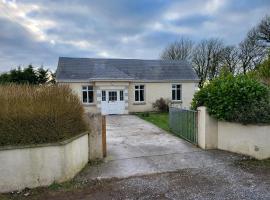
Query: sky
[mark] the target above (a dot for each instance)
(39, 31)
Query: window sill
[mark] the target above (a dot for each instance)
(177, 101)
(89, 104)
(139, 103)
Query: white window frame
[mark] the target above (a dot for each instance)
(139, 89)
(174, 88)
(89, 88)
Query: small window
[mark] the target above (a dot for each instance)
(121, 95)
(112, 96)
(87, 94)
(176, 92)
(103, 95)
(139, 93)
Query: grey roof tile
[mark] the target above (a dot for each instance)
(127, 69)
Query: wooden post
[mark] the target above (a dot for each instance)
(104, 143)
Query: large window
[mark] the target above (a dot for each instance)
(139, 93)
(87, 94)
(176, 92)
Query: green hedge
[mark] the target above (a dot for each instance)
(235, 99)
(38, 114)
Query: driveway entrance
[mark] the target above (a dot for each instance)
(136, 147)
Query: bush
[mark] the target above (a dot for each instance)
(161, 105)
(235, 99)
(38, 114)
(145, 114)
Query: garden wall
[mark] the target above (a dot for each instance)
(41, 165)
(252, 140)
(244, 139)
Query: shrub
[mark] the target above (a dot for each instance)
(235, 99)
(161, 105)
(38, 114)
(145, 114)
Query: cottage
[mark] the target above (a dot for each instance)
(121, 86)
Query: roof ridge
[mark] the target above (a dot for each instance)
(138, 59)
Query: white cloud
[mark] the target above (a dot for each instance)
(18, 13)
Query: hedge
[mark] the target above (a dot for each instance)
(235, 99)
(39, 114)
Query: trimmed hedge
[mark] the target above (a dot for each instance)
(39, 114)
(235, 99)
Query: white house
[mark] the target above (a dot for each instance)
(120, 86)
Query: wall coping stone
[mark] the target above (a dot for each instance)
(60, 143)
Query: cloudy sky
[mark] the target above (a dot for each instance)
(38, 32)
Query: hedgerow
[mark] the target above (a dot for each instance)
(38, 114)
(235, 99)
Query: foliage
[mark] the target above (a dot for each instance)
(28, 75)
(38, 114)
(262, 73)
(235, 99)
(161, 105)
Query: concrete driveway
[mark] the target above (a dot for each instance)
(137, 147)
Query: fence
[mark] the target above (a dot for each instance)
(183, 123)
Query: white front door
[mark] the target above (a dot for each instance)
(112, 102)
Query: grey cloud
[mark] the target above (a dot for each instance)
(120, 28)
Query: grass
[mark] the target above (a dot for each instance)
(159, 119)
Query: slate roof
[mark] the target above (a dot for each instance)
(87, 69)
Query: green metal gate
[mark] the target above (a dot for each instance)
(183, 123)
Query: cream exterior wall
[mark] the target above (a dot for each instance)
(41, 166)
(252, 140)
(77, 89)
(207, 130)
(153, 91)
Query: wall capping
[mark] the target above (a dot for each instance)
(60, 143)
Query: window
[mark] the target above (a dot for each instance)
(103, 95)
(139, 93)
(121, 95)
(87, 94)
(176, 92)
(112, 96)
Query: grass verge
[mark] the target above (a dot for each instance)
(159, 119)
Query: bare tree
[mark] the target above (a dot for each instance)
(263, 29)
(230, 58)
(207, 58)
(178, 50)
(251, 52)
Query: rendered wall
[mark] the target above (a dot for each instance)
(207, 130)
(154, 91)
(41, 165)
(252, 140)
